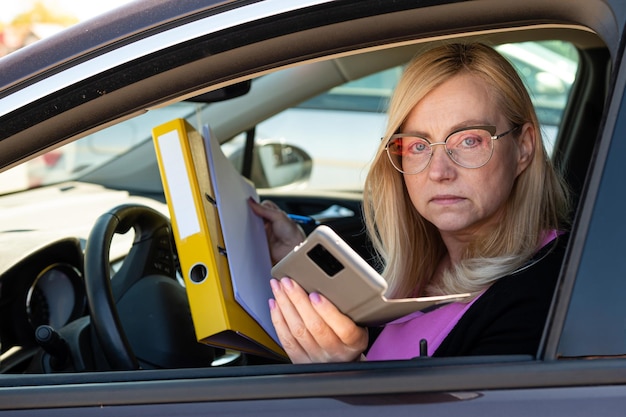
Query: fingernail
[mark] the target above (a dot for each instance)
(272, 304)
(315, 298)
(274, 284)
(287, 282)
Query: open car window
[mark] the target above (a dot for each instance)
(328, 141)
(325, 142)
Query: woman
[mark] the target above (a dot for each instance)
(461, 197)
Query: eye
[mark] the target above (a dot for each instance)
(466, 140)
(470, 141)
(417, 146)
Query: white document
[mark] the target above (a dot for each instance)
(244, 235)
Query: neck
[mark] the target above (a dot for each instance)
(456, 246)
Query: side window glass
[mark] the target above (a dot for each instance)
(334, 134)
(548, 69)
(328, 141)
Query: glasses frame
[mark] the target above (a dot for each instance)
(489, 128)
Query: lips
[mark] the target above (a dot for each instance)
(446, 199)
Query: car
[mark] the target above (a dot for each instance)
(270, 78)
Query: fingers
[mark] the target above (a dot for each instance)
(292, 347)
(343, 328)
(282, 233)
(311, 328)
(267, 210)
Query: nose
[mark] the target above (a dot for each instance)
(441, 166)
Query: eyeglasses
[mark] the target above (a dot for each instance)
(470, 147)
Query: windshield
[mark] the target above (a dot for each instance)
(72, 161)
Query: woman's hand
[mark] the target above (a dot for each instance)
(311, 328)
(282, 233)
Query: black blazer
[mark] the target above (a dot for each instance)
(509, 318)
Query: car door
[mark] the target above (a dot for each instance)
(547, 383)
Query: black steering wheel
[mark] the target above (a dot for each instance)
(150, 254)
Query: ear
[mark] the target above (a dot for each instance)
(526, 147)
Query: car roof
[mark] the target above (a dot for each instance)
(108, 30)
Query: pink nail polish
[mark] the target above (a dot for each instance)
(272, 304)
(287, 283)
(315, 298)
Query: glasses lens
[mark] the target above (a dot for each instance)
(408, 154)
(470, 148)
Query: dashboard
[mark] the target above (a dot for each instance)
(45, 287)
(55, 298)
(43, 234)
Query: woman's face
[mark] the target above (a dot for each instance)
(460, 201)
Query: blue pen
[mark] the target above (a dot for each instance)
(303, 220)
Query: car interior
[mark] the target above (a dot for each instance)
(231, 113)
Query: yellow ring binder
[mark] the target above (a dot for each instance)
(221, 313)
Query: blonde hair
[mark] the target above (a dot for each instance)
(409, 246)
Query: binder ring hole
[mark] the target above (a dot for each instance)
(198, 273)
